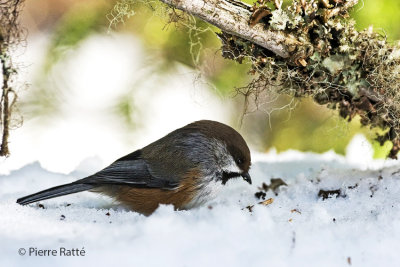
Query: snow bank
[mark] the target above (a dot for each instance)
(361, 226)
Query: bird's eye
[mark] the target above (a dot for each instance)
(239, 161)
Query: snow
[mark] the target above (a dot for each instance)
(362, 226)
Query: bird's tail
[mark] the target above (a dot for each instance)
(56, 191)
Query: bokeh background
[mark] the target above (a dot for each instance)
(96, 89)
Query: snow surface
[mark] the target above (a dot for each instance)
(361, 227)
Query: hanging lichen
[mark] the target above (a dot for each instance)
(10, 35)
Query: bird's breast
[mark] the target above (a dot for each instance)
(191, 192)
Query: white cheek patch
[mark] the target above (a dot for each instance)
(225, 160)
(231, 166)
(210, 189)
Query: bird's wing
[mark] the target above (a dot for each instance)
(130, 170)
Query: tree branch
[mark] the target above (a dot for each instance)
(317, 51)
(233, 17)
(10, 35)
(309, 48)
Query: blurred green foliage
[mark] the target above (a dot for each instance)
(308, 127)
(382, 14)
(81, 20)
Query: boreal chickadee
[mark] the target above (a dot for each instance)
(184, 168)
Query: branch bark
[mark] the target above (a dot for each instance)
(233, 17)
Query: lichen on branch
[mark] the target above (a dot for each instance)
(311, 48)
(10, 36)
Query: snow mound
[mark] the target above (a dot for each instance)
(333, 212)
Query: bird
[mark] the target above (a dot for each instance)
(186, 168)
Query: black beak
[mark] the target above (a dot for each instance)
(246, 177)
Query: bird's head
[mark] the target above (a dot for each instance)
(229, 149)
